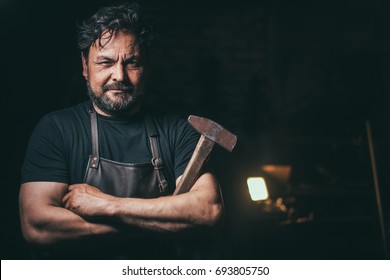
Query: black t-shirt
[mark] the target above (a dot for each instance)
(60, 146)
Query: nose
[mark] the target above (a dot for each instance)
(119, 73)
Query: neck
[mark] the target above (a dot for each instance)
(127, 114)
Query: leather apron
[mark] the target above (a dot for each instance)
(145, 180)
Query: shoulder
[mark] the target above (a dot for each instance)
(58, 124)
(67, 114)
(64, 118)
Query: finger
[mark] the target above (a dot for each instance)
(65, 202)
(68, 204)
(66, 198)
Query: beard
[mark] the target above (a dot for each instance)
(118, 104)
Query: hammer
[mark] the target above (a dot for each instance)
(211, 133)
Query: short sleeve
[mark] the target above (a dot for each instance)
(45, 158)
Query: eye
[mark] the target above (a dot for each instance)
(105, 62)
(133, 64)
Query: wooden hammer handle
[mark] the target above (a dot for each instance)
(191, 173)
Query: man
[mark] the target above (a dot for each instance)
(98, 177)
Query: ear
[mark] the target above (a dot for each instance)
(85, 67)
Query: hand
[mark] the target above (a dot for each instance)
(86, 201)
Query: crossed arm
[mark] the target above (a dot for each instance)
(55, 214)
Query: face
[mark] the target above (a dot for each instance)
(114, 74)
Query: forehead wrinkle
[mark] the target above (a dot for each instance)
(106, 51)
(120, 47)
(114, 55)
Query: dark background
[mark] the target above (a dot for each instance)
(295, 80)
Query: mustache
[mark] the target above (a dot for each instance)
(118, 86)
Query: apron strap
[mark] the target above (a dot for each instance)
(94, 163)
(156, 159)
(152, 134)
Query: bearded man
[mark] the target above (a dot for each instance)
(98, 177)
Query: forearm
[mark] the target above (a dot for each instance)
(199, 209)
(46, 223)
(60, 226)
(166, 214)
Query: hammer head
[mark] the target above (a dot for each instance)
(214, 132)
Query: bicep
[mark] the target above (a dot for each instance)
(35, 196)
(38, 202)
